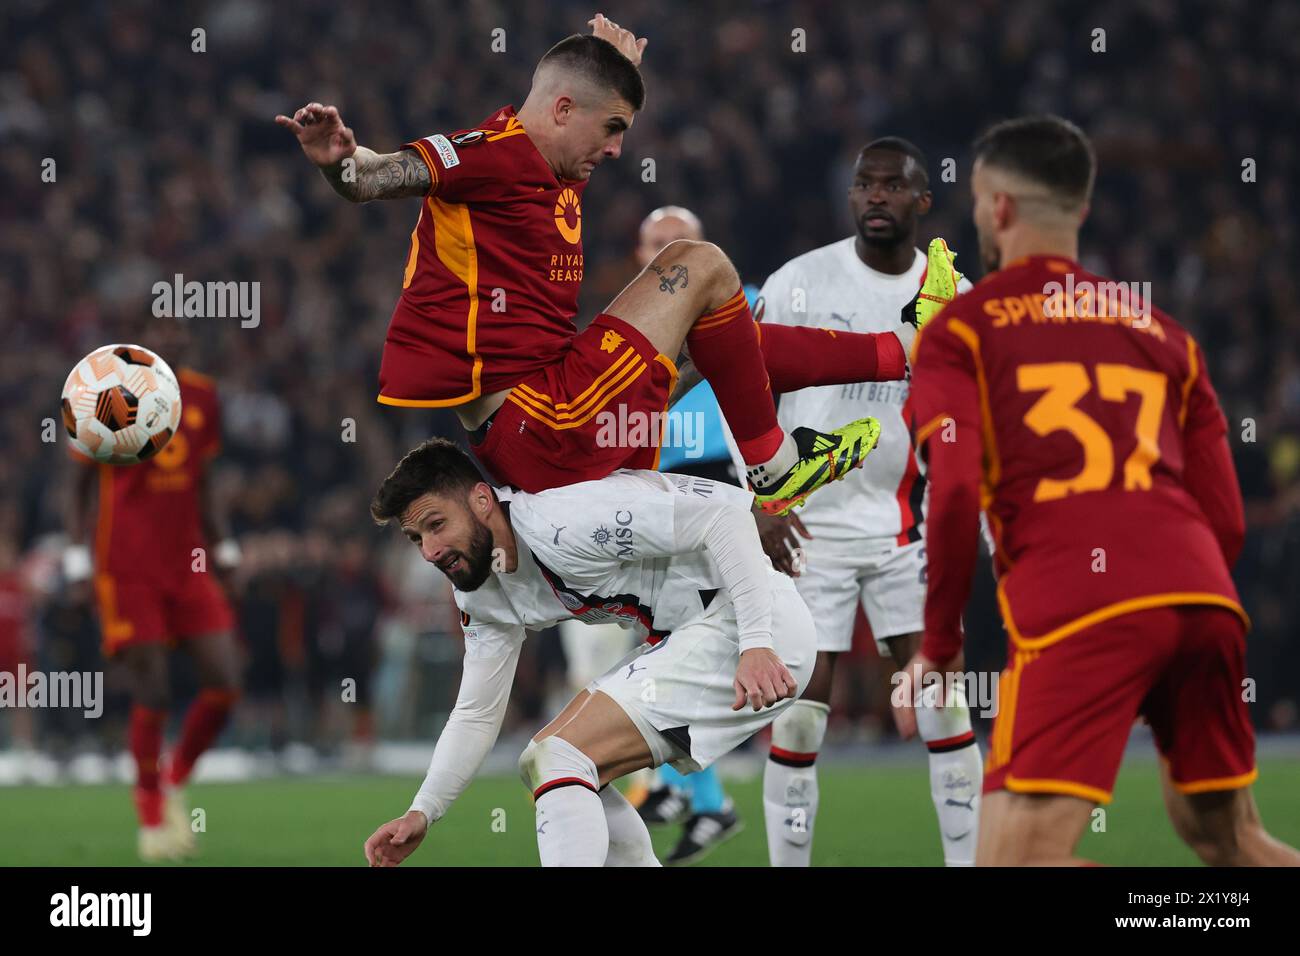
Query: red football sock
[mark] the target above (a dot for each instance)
(145, 737)
(203, 722)
(724, 347)
(798, 357)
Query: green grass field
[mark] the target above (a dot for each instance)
(879, 817)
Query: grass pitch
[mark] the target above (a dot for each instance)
(879, 816)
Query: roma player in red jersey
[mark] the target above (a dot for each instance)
(1082, 420)
(156, 551)
(485, 322)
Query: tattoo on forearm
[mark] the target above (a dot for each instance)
(669, 281)
(380, 176)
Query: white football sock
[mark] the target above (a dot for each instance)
(571, 828)
(629, 840)
(769, 472)
(956, 775)
(790, 782)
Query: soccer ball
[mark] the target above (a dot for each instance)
(121, 404)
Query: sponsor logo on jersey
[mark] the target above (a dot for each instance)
(446, 152)
(568, 216)
(623, 535)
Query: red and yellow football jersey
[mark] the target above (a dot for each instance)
(1087, 406)
(150, 515)
(491, 284)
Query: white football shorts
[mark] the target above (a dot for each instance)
(679, 692)
(887, 578)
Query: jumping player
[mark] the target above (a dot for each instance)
(728, 641)
(697, 800)
(1082, 420)
(485, 321)
(863, 541)
(154, 567)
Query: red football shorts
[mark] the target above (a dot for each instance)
(144, 613)
(599, 408)
(1065, 710)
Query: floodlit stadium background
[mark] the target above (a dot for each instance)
(168, 162)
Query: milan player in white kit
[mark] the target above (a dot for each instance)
(862, 540)
(728, 641)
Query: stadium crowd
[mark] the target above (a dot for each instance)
(166, 161)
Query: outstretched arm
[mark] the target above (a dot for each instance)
(354, 172)
(491, 655)
(474, 723)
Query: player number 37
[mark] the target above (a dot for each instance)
(1063, 384)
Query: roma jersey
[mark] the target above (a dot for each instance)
(1085, 399)
(490, 289)
(150, 514)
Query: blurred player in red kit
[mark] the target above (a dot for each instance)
(485, 321)
(156, 553)
(15, 625)
(1081, 419)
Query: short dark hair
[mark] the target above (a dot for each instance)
(1048, 150)
(599, 62)
(435, 466)
(897, 144)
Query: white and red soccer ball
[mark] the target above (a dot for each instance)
(121, 404)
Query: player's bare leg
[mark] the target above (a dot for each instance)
(790, 793)
(580, 820)
(690, 296)
(1223, 827)
(956, 767)
(1031, 829)
(216, 658)
(146, 665)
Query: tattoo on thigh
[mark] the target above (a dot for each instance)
(670, 280)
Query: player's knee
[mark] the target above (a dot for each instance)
(944, 723)
(801, 727)
(705, 262)
(553, 759)
(528, 764)
(150, 687)
(152, 695)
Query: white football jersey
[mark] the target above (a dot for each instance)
(831, 288)
(602, 551)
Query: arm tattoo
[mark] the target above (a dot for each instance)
(380, 176)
